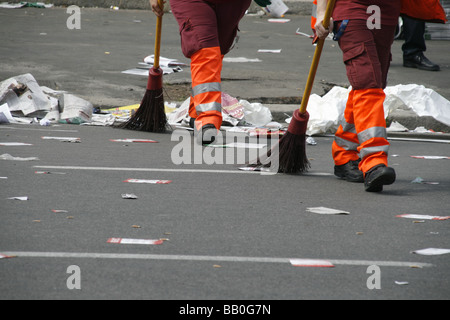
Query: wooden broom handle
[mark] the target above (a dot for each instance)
(158, 37)
(316, 58)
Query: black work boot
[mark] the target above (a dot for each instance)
(207, 135)
(377, 177)
(349, 171)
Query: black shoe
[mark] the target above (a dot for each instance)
(349, 171)
(421, 62)
(207, 136)
(377, 177)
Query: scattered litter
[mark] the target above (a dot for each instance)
(48, 172)
(24, 198)
(167, 65)
(129, 196)
(311, 263)
(425, 217)
(5, 114)
(134, 241)
(59, 211)
(14, 144)
(28, 102)
(134, 140)
(136, 226)
(165, 62)
(397, 127)
(324, 210)
(298, 32)
(430, 157)
(7, 5)
(269, 50)
(279, 20)
(2, 256)
(419, 180)
(240, 59)
(10, 157)
(148, 181)
(277, 8)
(311, 141)
(401, 283)
(63, 139)
(431, 251)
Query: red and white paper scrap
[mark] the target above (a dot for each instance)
(134, 241)
(148, 181)
(2, 256)
(431, 157)
(311, 263)
(423, 217)
(134, 140)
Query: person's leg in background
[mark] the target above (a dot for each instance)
(415, 46)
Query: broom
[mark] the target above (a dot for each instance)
(291, 154)
(151, 116)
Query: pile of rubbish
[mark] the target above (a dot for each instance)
(22, 100)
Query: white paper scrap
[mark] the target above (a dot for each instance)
(324, 210)
(423, 217)
(311, 263)
(269, 50)
(430, 157)
(129, 196)
(432, 251)
(24, 198)
(10, 157)
(14, 144)
(134, 241)
(279, 20)
(402, 283)
(63, 139)
(148, 181)
(240, 59)
(134, 140)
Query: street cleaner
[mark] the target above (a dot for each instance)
(208, 29)
(365, 31)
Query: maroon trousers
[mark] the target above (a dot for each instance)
(367, 54)
(205, 24)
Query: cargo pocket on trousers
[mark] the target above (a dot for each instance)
(360, 68)
(189, 40)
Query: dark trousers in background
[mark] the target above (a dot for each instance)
(414, 32)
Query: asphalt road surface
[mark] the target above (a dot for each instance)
(226, 233)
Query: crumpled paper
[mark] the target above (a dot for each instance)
(325, 112)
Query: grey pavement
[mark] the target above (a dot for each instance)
(228, 234)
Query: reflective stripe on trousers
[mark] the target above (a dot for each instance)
(363, 132)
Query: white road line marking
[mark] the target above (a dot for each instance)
(205, 258)
(144, 169)
(237, 171)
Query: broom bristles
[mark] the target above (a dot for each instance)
(151, 115)
(289, 156)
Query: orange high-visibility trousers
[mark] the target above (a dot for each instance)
(206, 98)
(362, 133)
